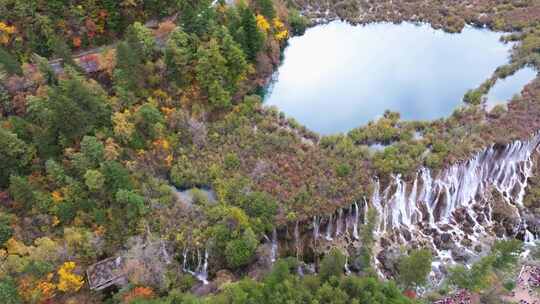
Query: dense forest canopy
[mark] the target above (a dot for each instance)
(111, 109)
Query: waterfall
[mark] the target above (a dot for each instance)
(529, 237)
(274, 246)
(347, 221)
(339, 221)
(426, 195)
(328, 236)
(398, 204)
(297, 240)
(184, 260)
(365, 211)
(450, 211)
(299, 269)
(165, 253)
(506, 170)
(413, 212)
(355, 222)
(457, 202)
(201, 271)
(376, 203)
(346, 266)
(316, 228)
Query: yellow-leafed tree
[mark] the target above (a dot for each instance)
(262, 23)
(5, 33)
(68, 281)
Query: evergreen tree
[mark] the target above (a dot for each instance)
(248, 34)
(131, 55)
(179, 56)
(196, 16)
(237, 65)
(8, 292)
(148, 120)
(15, 156)
(73, 108)
(45, 69)
(266, 8)
(506, 253)
(240, 251)
(63, 51)
(332, 265)
(141, 40)
(128, 75)
(5, 228)
(414, 268)
(9, 63)
(363, 259)
(114, 20)
(211, 73)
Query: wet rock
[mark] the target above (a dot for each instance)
(446, 227)
(263, 262)
(385, 242)
(512, 225)
(481, 218)
(460, 255)
(201, 289)
(406, 234)
(478, 248)
(389, 260)
(466, 242)
(443, 241)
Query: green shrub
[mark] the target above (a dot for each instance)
(343, 170)
(332, 265)
(5, 229)
(231, 161)
(473, 97)
(239, 252)
(8, 292)
(185, 175)
(297, 22)
(509, 285)
(414, 268)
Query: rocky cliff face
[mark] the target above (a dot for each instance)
(457, 213)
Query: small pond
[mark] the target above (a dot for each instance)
(338, 76)
(505, 89)
(189, 196)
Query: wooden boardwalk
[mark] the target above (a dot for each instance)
(106, 273)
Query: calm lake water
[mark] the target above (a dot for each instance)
(505, 89)
(337, 76)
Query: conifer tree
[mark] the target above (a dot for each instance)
(248, 34)
(15, 155)
(211, 71)
(9, 63)
(73, 108)
(128, 73)
(196, 16)
(237, 65)
(266, 8)
(179, 56)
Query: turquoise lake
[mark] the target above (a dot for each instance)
(338, 76)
